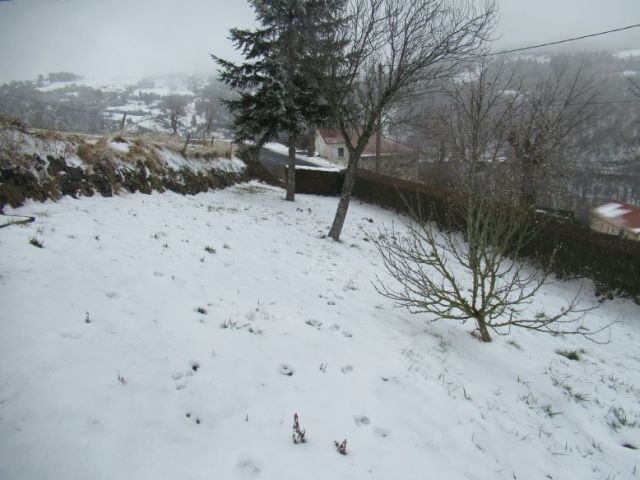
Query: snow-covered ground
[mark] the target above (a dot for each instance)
(164, 336)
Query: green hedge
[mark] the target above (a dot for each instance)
(317, 182)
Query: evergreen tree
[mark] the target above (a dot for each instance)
(279, 85)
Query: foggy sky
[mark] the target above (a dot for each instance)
(114, 39)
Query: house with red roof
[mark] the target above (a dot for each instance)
(617, 218)
(395, 159)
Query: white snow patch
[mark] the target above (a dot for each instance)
(75, 161)
(283, 149)
(55, 86)
(612, 210)
(319, 169)
(122, 147)
(628, 53)
(164, 91)
(536, 58)
(177, 161)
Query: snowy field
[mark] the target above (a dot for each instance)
(174, 337)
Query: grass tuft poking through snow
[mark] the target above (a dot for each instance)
(193, 369)
(35, 242)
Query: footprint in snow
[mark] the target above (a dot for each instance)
(347, 334)
(335, 327)
(361, 421)
(111, 295)
(247, 467)
(382, 432)
(314, 323)
(195, 419)
(286, 370)
(347, 369)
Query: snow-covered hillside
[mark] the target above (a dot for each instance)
(164, 336)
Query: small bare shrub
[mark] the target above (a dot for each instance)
(298, 433)
(35, 242)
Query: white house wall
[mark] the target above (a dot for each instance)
(330, 152)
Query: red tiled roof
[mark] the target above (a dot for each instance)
(621, 214)
(387, 146)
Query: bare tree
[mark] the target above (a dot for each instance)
(394, 48)
(473, 268)
(547, 114)
(472, 125)
(634, 86)
(209, 105)
(174, 109)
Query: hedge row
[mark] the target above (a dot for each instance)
(317, 181)
(613, 263)
(34, 179)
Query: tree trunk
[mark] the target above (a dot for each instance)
(528, 190)
(378, 146)
(291, 170)
(345, 196)
(186, 144)
(484, 331)
(311, 145)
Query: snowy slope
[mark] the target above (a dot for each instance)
(109, 371)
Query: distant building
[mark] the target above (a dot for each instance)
(617, 218)
(395, 159)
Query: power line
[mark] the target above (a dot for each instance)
(566, 40)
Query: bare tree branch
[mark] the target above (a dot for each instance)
(394, 48)
(477, 273)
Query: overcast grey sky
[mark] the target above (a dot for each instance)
(111, 39)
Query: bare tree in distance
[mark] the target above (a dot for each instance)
(394, 49)
(547, 114)
(473, 269)
(209, 105)
(480, 105)
(174, 109)
(634, 86)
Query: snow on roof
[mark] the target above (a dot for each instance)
(388, 147)
(622, 214)
(611, 210)
(628, 53)
(319, 169)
